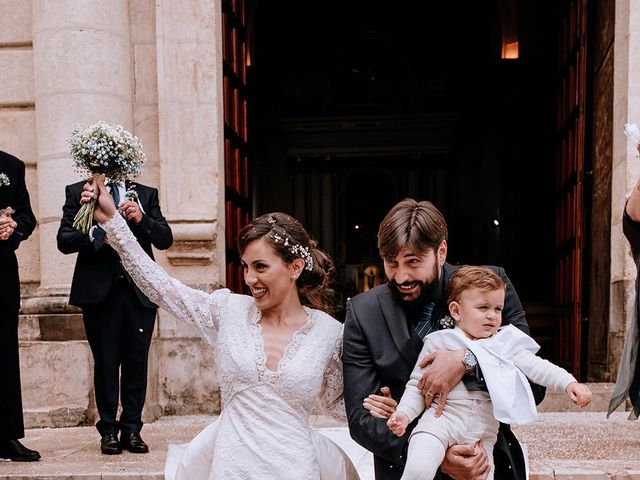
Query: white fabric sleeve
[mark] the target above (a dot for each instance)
(331, 395)
(542, 371)
(194, 307)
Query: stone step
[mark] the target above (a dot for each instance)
(51, 327)
(561, 446)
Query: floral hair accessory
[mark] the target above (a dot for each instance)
(294, 247)
(446, 322)
(271, 221)
(4, 180)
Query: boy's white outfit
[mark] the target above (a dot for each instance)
(507, 359)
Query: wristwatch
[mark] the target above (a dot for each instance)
(470, 363)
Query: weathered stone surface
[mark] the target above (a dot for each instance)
(18, 134)
(80, 60)
(16, 76)
(55, 374)
(578, 474)
(187, 377)
(543, 473)
(56, 417)
(15, 22)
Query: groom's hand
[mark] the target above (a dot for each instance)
(380, 406)
(466, 462)
(445, 371)
(131, 211)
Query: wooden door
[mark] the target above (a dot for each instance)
(570, 153)
(236, 163)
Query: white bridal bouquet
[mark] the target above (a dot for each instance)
(104, 148)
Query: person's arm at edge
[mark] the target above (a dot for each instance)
(632, 208)
(23, 216)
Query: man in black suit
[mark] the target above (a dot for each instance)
(118, 318)
(14, 228)
(383, 335)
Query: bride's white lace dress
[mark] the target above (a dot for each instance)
(263, 431)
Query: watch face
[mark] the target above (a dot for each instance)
(470, 360)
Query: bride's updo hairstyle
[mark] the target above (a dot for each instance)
(290, 240)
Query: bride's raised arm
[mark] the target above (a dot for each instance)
(192, 306)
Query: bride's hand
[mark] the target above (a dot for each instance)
(380, 406)
(95, 188)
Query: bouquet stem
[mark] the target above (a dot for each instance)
(84, 218)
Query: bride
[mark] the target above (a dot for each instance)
(276, 358)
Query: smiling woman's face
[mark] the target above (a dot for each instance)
(270, 279)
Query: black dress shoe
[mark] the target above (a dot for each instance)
(109, 444)
(133, 442)
(14, 450)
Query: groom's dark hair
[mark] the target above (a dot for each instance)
(417, 225)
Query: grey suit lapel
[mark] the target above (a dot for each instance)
(397, 324)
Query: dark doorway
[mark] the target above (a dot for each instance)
(357, 105)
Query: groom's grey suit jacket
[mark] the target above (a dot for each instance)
(380, 349)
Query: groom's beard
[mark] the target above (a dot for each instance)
(427, 288)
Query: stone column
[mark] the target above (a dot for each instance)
(83, 73)
(625, 168)
(191, 137)
(191, 146)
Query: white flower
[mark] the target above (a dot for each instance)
(446, 322)
(106, 148)
(632, 132)
(4, 180)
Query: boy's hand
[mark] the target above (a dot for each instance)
(398, 423)
(579, 394)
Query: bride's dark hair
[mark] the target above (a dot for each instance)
(290, 240)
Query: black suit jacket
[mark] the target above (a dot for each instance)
(16, 196)
(96, 270)
(381, 350)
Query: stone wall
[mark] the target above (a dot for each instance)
(155, 68)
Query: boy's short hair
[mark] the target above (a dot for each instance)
(469, 277)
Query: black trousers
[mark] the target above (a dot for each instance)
(119, 332)
(11, 421)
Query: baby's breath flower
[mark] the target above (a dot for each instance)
(446, 322)
(104, 148)
(4, 180)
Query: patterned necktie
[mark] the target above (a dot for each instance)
(425, 325)
(115, 192)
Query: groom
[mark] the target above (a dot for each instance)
(118, 317)
(383, 335)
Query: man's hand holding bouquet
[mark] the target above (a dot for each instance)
(103, 148)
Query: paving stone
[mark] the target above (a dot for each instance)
(561, 446)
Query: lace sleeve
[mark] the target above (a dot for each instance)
(193, 307)
(331, 395)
